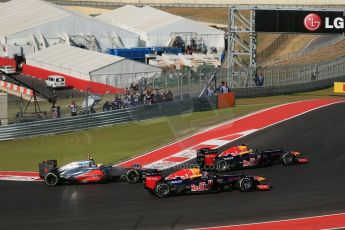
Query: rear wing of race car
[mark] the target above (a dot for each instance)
(206, 156)
(46, 166)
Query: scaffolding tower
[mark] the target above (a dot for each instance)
(241, 47)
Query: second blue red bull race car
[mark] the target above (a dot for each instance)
(240, 157)
(194, 181)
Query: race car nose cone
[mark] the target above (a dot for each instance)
(303, 160)
(263, 187)
(259, 178)
(296, 153)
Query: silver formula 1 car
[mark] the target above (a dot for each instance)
(87, 171)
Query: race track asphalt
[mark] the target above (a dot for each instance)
(303, 190)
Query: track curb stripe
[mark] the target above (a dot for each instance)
(19, 176)
(331, 221)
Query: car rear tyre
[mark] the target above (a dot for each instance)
(288, 159)
(162, 190)
(51, 179)
(133, 176)
(246, 184)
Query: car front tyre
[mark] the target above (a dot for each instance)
(288, 159)
(246, 184)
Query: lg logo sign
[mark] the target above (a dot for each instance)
(312, 22)
(338, 23)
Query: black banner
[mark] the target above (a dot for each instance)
(294, 21)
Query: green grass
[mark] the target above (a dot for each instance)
(119, 142)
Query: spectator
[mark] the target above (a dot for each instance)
(169, 96)
(223, 88)
(117, 104)
(74, 109)
(54, 112)
(157, 97)
(260, 80)
(126, 101)
(136, 99)
(148, 96)
(164, 97)
(313, 76)
(210, 91)
(106, 106)
(58, 111)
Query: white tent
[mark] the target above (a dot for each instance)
(91, 66)
(27, 26)
(158, 28)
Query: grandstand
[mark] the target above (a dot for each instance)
(319, 55)
(288, 49)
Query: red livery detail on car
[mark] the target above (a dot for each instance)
(94, 175)
(203, 186)
(151, 181)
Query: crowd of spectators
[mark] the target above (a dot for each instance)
(223, 88)
(135, 96)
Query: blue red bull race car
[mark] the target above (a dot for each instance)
(240, 157)
(86, 171)
(194, 181)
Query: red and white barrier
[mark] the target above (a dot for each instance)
(16, 88)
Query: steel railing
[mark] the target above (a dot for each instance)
(62, 125)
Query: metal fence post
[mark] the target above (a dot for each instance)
(181, 84)
(271, 76)
(278, 76)
(153, 82)
(166, 82)
(189, 82)
(332, 70)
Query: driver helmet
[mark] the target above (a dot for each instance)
(204, 174)
(136, 166)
